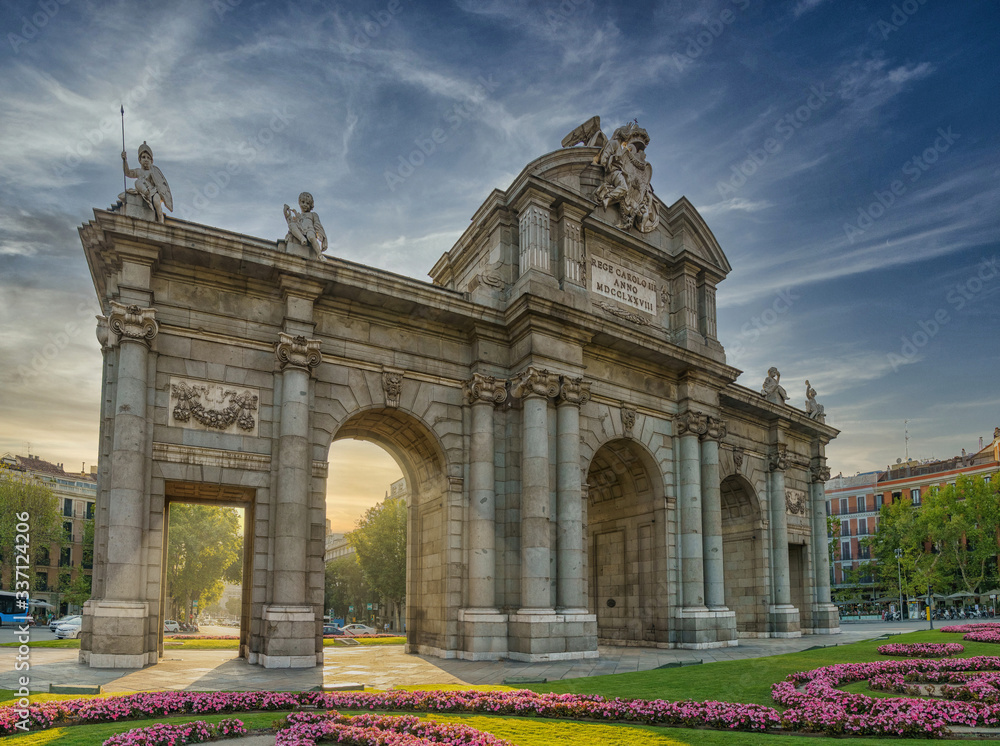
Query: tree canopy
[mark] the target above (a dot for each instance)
(380, 543)
(950, 542)
(345, 586)
(22, 493)
(205, 549)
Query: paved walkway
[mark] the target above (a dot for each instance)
(383, 667)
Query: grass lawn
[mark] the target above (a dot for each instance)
(736, 681)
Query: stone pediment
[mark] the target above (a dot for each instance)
(563, 230)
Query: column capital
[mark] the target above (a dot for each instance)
(483, 389)
(819, 472)
(535, 382)
(574, 391)
(777, 457)
(715, 429)
(297, 352)
(691, 423)
(132, 322)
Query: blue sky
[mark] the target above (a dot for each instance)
(844, 154)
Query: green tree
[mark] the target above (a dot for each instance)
(77, 591)
(962, 520)
(345, 586)
(205, 549)
(23, 495)
(380, 543)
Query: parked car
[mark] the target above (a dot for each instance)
(169, 625)
(356, 630)
(70, 629)
(62, 620)
(333, 629)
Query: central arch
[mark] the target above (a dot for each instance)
(627, 548)
(421, 459)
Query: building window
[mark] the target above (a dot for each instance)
(65, 557)
(67, 507)
(68, 530)
(845, 550)
(878, 502)
(90, 511)
(41, 581)
(986, 479)
(828, 507)
(43, 557)
(843, 505)
(915, 496)
(862, 527)
(845, 528)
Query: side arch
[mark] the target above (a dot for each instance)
(743, 556)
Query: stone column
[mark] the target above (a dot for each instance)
(115, 624)
(484, 393)
(289, 621)
(296, 357)
(484, 628)
(535, 387)
(715, 590)
(784, 616)
(571, 584)
(135, 328)
(690, 426)
(826, 619)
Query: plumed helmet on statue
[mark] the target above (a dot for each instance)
(144, 148)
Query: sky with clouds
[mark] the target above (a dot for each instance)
(843, 153)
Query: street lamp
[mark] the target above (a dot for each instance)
(899, 572)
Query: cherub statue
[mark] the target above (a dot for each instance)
(305, 227)
(150, 183)
(813, 409)
(772, 390)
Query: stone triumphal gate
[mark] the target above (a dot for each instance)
(582, 466)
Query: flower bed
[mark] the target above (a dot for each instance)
(202, 637)
(720, 715)
(821, 707)
(921, 649)
(307, 729)
(163, 734)
(972, 627)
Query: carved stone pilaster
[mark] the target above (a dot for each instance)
(777, 458)
(574, 391)
(715, 429)
(392, 385)
(483, 388)
(628, 419)
(132, 322)
(819, 473)
(691, 422)
(297, 352)
(535, 382)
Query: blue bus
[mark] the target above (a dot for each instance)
(13, 611)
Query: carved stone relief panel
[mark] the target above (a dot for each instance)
(212, 406)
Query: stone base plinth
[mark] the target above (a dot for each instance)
(484, 632)
(825, 619)
(784, 621)
(700, 628)
(135, 206)
(548, 635)
(114, 634)
(289, 638)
